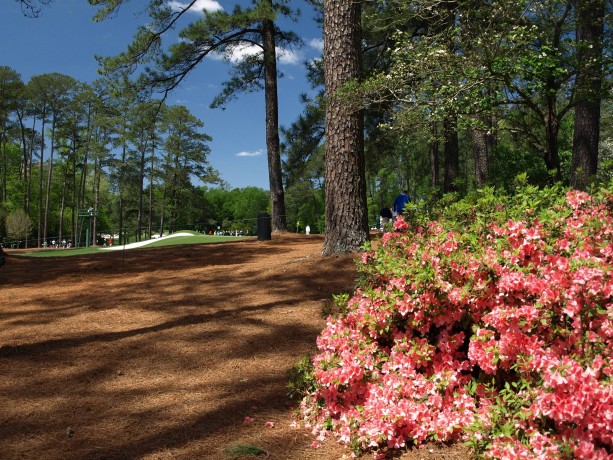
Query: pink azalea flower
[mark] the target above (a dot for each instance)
(528, 302)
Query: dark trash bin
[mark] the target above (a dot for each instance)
(264, 226)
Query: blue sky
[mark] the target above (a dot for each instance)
(65, 39)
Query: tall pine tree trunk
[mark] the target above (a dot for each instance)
(141, 192)
(97, 180)
(590, 24)
(4, 164)
(40, 183)
(451, 154)
(552, 129)
(120, 197)
(433, 147)
(346, 211)
(49, 178)
(151, 178)
(63, 202)
(277, 195)
(482, 144)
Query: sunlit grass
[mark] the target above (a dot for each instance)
(194, 238)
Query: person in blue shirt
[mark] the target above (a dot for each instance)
(399, 203)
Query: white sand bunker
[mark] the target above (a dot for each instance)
(143, 243)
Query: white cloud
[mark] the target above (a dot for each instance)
(240, 52)
(209, 5)
(317, 43)
(257, 153)
(287, 56)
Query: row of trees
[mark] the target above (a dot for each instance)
(435, 96)
(502, 76)
(68, 146)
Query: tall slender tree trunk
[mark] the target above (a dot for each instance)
(73, 195)
(28, 147)
(433, 147)
(120, 204)
(141, 193)
(23, 170)
(87, 146)
(451, 154)
(346, 210)
(49, 177)
(277, 195)
(97, 180)
(590, 29)
(482, 153)
(74, 191)
(4, 164)
(552, 129)
(63, 203)
(151, 176)
(163, 212)
(40, 183)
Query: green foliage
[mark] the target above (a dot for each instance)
(18, 225)
(241, 450)
(300, 379)
(235, 209)
(306, 204)
(497, 65)
(338, 305)
(484, 206)
(490, 321)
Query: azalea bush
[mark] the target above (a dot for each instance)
(492, 325)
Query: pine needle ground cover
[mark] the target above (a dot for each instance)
(162, 353)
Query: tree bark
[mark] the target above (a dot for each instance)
(40, 182)
(346, 211)
(3, 142)
(49, 177)
(433, 147)
(451, 154)
(590, 25)
(151, 181)
(63, 202)
(552, 129)
(482, 149)
(277, 194)
(120, 194)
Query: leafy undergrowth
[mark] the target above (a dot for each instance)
(491, 325)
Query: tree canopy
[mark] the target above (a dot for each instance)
(447, 96)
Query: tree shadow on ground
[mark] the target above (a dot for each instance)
(165, 356)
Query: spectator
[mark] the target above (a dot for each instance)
(385, 215)
(2, 259)
(399, 203)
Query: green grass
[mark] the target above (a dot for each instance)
(194, 238)
(241, 450)
(59, 252)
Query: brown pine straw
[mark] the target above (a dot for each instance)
(162, 353)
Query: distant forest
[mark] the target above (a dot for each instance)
(453, 96)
